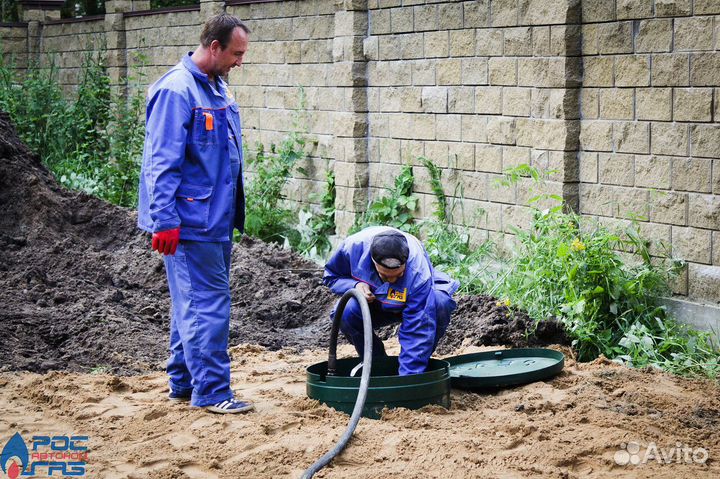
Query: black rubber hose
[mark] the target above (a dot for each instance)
(364, 379)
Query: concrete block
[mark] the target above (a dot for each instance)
(449, 127)
(554, 103)
(426, 18)
(412, 46)
(615, 37)
(669, 207)
(704, 211)
(597, 11)
(449, 71)
(588, 165)
(704, 283)
(489, 42)
(692, 174)
(516, 102)
(670, 69)
(461, 99)
(652, 171)
(566, 40)
(474, 71)
(474, 128)
(672, 8)
(434, 99)
(669, 139)
(513, 157)
(630, 9)
(716, 248)
(590, 38)
(461, 156)
(462, 43)
(705, 141)
(716, 176)
(410, 150)
(436, 44)
(616, 169)
(632, 137)
(488, 100)
(401, 20)
(379, 21)
(488, 158)
(596, 136)
(598, 72)
(694, 33)
(504, 13)
(437, 152)
(351, 175)
(596, 199)
(653, 104)
(706, 7)
(503, 71)
(544, 12)
(517, 41)
(541, 41)
(549, 72)
(589, 103)
(617, 104)
(450, 16)
(704, 69)
(548, 134)
(693, 104)
(654, 36)
(423, 73)
(476, 13)
(501, 130)
(632, 70)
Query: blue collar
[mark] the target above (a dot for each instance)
(200, 75)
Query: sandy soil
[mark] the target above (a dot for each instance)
(571, 426)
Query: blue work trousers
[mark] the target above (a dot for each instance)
(352, 323)
(199, 280)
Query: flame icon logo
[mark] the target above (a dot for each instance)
(16, 451)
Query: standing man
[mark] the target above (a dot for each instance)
(393, 271)
(191, 197)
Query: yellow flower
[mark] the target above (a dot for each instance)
(505, 302)
(577, 245)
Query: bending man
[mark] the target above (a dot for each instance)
(394, 273)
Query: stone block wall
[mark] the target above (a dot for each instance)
(650, 139)
(619, 98)
(67, 43)
(14, 44)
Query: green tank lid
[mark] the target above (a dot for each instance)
(503, 368)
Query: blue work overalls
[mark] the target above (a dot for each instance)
(192, 178)
(421, 300)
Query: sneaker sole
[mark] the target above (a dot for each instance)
(187, 399)
(218, 410)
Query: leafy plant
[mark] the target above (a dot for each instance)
(91, 141)
(448, 245)
(567, 267)
(394, 209)
(316, 227)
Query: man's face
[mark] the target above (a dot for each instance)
(232, 56)
(387, 274)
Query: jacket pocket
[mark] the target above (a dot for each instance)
(192, 203)
(204, 127)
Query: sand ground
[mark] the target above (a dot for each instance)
(571, 426)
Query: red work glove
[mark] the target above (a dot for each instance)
(166, 242)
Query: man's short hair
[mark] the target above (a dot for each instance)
(389, 249)
(220, 28)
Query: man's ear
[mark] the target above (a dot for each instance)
(215, 47)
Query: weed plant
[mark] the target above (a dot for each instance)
(567, 267)
(316, 227)
(394, 208)
(91, 142)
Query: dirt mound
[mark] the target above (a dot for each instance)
(82, 291)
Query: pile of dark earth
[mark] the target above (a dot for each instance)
(81, 290)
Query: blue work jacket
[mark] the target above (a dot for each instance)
(410, 296)
(192, 161)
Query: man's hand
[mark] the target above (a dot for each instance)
(166, 242)
(365, 290)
